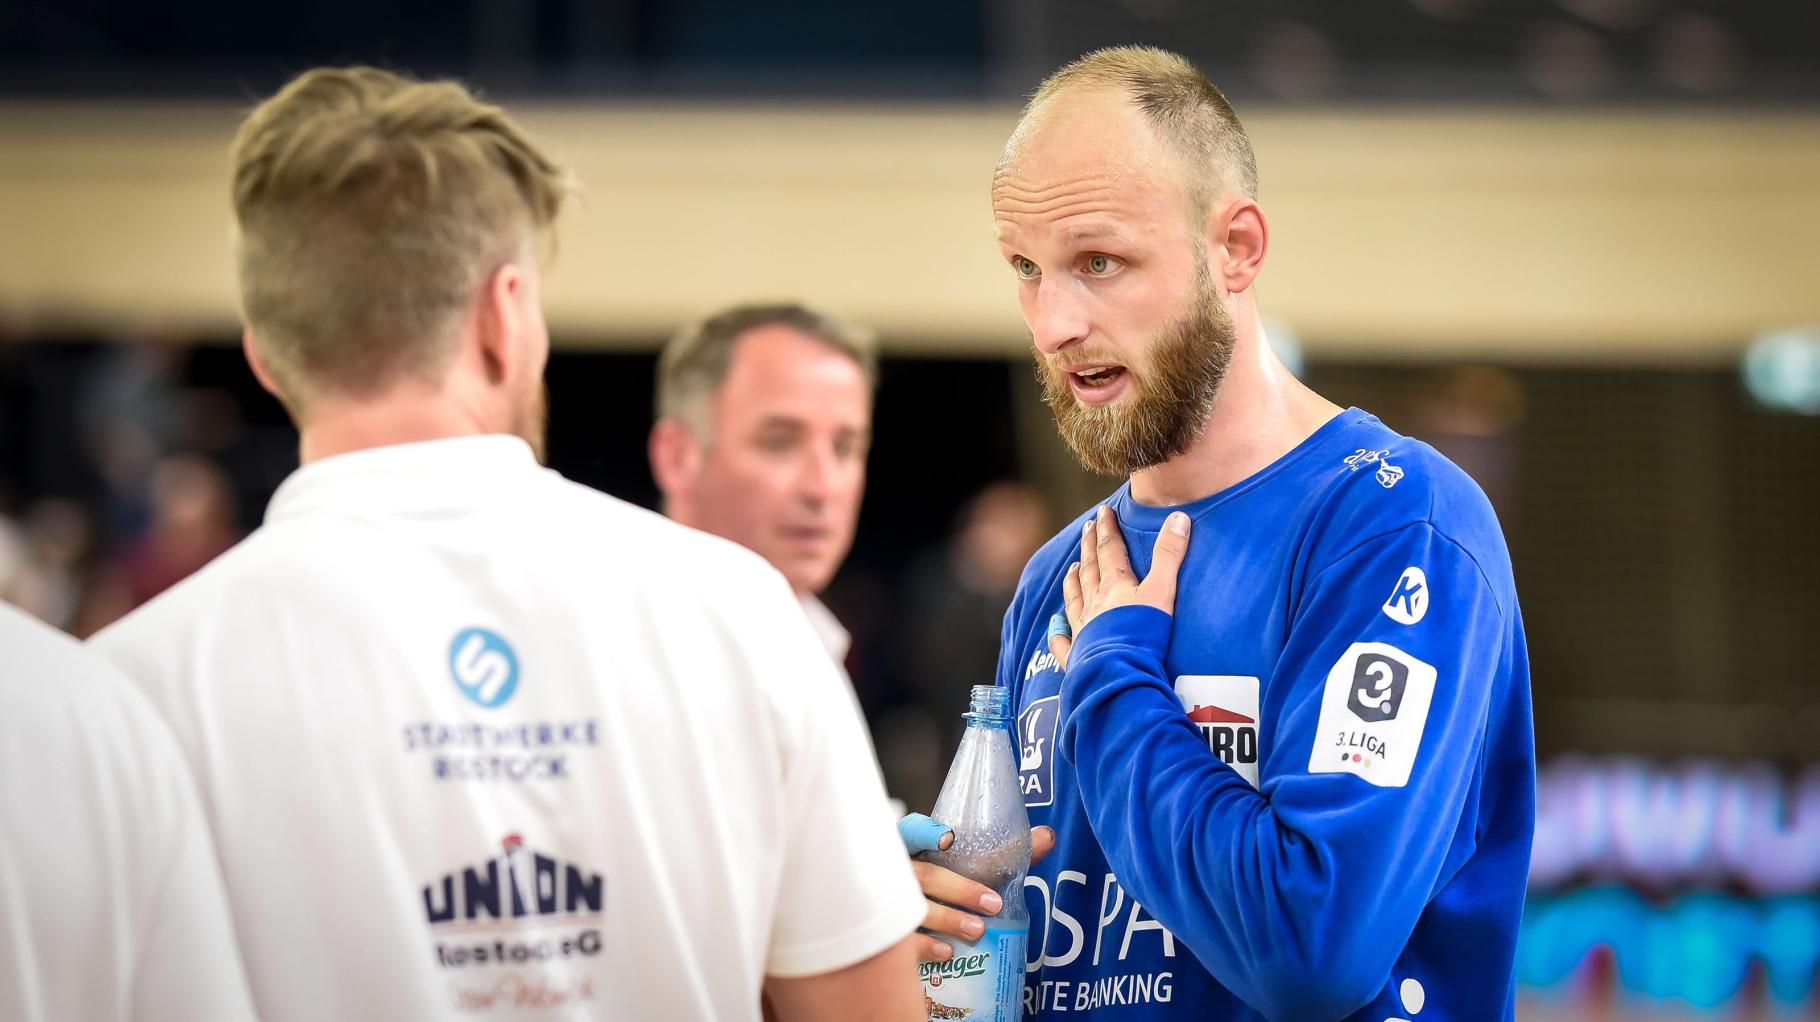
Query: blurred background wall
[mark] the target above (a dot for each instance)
(1575, 244)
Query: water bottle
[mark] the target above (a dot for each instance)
(982, 802)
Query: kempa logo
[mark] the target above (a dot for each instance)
(1040, 660)
(516, 884)
(1408, 602)
(936, 973)
(1378, 682)
(484, 667)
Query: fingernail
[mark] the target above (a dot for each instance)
(1087, 526)
(991, 903)
(1178, 523)
(1103, 513)
(943, 952)
(973, 927)
(1058, 625)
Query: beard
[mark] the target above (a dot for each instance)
(1170, 401)
(533, 422)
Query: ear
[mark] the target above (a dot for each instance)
(676, 456)
(1239, 236)
(500, 324)
(250, 346)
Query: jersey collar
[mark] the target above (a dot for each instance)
(452, 472)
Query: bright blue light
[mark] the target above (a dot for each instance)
(1781, 370)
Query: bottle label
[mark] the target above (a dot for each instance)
(983, 982)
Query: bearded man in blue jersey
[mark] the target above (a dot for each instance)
(1272, 695)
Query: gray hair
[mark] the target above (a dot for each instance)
(694, 363)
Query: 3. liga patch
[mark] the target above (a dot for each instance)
(1372, 715)
(1224, 709)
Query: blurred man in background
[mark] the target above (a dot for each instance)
(110, 900)
(764, 417)
(1319, 776)
(477, 741)
(952, 611)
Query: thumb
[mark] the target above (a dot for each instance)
(1158, 588)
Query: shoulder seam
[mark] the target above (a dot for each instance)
(1426, 520)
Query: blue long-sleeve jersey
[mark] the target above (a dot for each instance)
(1309, 796)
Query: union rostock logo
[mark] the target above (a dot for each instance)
(483, 666)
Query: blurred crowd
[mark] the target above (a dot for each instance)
(120, 479)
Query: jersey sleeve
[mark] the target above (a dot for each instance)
(846, 890)
(1299, 895)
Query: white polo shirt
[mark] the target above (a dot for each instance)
(110, 902)
(477, 742)
(833, 635)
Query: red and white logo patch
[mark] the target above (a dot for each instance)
(1224, 708)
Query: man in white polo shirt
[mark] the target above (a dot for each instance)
(110, 902)
(476, 741)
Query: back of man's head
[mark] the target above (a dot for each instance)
(371, 206)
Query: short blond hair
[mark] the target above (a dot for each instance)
(1188, 111)
(370, 207)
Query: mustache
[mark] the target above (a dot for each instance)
(1077, 360)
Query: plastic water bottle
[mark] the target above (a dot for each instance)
(981, 801)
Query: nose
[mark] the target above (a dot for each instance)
(819, 478)
(1056, 317)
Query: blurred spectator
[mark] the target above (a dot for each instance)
(23, 581)
(1470, 414)
(130, 410)
(193, 521)
(41, 561)
(953, 606)
(62, 538)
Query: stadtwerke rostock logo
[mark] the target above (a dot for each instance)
(484, 666)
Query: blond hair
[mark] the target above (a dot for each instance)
(370, 207)
(1188, 111)
(694, 363)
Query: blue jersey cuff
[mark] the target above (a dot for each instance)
(1146, 628)
(1112, 647)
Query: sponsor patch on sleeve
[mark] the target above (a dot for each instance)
(1372, 715)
